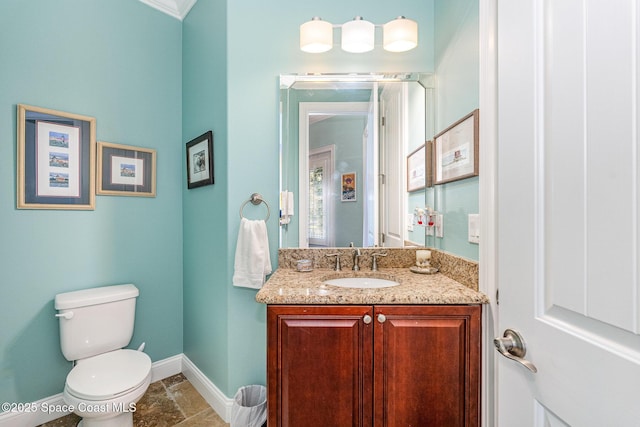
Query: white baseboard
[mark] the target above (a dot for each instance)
(52, 407)
(39, 412)
(166, 368)
(212, 394)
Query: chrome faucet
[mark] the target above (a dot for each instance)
(356, 256)
(337, 255)
(374, 264)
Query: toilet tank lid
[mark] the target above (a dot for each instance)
(93, 296)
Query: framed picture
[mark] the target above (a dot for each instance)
(417, 169)
(200, 161)
(124, 170)
(55, 159)
(456, 150)
(348, 192)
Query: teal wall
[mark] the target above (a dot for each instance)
(120, 62)
(153, 81)
(457, 94)
(206, 268)
(226, 336)
(254, 60)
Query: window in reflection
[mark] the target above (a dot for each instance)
(317, 231)
(320, 203)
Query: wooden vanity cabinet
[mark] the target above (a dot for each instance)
(363, 366)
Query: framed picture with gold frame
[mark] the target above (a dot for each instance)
(456, 152)
(124, 170)
(417, 169)
(55, 159)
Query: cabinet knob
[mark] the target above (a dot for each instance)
(381, 318)
(367, 319)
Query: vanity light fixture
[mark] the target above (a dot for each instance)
(400, 35)
(358, 35)
(316, 36)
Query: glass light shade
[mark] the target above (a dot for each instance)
(400, 35)
(358, 35)
(316, 36)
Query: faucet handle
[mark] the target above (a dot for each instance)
(337, 255)
(374, 256)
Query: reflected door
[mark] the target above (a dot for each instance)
(392, 136)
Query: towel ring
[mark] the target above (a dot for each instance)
(256, 199)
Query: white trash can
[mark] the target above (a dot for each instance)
(249, 407)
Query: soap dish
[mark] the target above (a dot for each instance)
(423, 270)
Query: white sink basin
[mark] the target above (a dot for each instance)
(361, 282)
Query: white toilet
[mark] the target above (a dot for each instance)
(106, 380)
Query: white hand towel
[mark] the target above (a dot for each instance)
(253, 261)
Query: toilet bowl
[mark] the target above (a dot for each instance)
(107, 380)
(104, 389)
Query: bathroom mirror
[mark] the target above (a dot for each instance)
(343, 157)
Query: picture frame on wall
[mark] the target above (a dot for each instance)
(200, 161)
(417, 169)
(55, 159)
(124, 170)
(456, 154)
(348, 187)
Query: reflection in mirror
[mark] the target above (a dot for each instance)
(344, 146)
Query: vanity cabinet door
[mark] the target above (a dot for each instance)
(427, 366)
(319, 366)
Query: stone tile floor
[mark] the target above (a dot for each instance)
(169, 402)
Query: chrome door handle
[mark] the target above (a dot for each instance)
(367, 319)
(511, 345)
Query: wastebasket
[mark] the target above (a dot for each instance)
(249, 407)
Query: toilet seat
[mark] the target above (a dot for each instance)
(109, 375)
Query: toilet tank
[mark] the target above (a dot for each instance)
(95, 321)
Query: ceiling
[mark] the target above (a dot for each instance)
(176, 8)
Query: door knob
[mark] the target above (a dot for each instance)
(511, 345)
(367, 319)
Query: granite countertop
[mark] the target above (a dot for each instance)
(288, 286)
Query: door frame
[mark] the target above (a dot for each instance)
(488, 198)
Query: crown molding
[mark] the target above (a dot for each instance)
(176, 8)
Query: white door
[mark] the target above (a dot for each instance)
(392, 164)
(568, 211)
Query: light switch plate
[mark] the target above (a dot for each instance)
(474, 228)
(439, 225)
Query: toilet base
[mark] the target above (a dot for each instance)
(124, 419)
